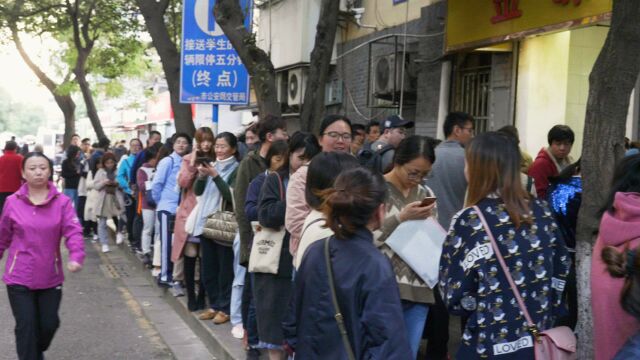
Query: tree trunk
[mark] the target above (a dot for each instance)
(612, 79)
(65, 102)
(85, 89)
(229, 16)
(68, 107)
(154, 12)
(313, 107)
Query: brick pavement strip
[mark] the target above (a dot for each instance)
(217, 338)
(147, 301)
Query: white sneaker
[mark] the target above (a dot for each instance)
(238, 331)
(95, 237)
(105, 248)
(119, 239)
(155, 272)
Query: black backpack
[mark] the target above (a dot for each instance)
(373, 158)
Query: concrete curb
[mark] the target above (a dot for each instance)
(217, 338)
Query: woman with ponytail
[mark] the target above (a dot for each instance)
(364, 282)
(619, 231)
(626, 265)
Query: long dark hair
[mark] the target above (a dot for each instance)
(164, 151)
(231, 140)
(353, 200)
(493, 163)
(279, 147)
(626, 178)
(72, 152)
(205, 134)
(323, 170)
(304, 140)
(567, 173)
(413, 147)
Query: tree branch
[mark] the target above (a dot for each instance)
(313, 107)
(229, 16)
(86, 21)
(73, 14)
(27, 14)
(44, 79)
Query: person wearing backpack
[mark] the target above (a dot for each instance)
(380, 157)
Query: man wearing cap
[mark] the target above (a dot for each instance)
(394, 130)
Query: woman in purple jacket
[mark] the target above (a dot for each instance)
(34, 220)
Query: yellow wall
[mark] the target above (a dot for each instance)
(469, 22)
(553, 84)
(384, 14)
(542, 88)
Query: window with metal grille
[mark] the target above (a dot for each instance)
(472, 86)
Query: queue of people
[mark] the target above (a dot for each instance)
(290, 238)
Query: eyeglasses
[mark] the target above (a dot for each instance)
(470, 129)
(415, 174)
(336, 135)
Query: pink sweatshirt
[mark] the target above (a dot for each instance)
(612, 325)
(297, 208)
(31, 235)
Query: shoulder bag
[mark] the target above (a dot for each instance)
(334, 298)
(558, 343)
(267, 245)
(222, 226)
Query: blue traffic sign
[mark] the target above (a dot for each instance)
(210, 69)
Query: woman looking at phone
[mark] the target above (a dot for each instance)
(186, 247)
(409, 200)
(214, 184)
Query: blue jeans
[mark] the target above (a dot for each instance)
(73, 195)
(415, 316)
(238, 284)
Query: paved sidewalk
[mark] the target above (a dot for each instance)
(99, 318)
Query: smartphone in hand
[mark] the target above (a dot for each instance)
(204, 161)
(428, 201)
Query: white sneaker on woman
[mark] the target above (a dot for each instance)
(238, 331)
(119, 238)
(105, 248)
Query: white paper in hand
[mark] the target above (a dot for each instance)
(419, 244)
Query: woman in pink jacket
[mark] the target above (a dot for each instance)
(33, 222)
(620, 229)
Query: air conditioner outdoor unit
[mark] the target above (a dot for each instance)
(281, 87)
(297, 85)
(387, 75)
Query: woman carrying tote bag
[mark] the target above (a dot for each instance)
(272, 291)
(214, 186)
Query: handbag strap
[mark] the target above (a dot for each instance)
(338, 316)
(532, 326)
(308, 226)
(281, 186)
